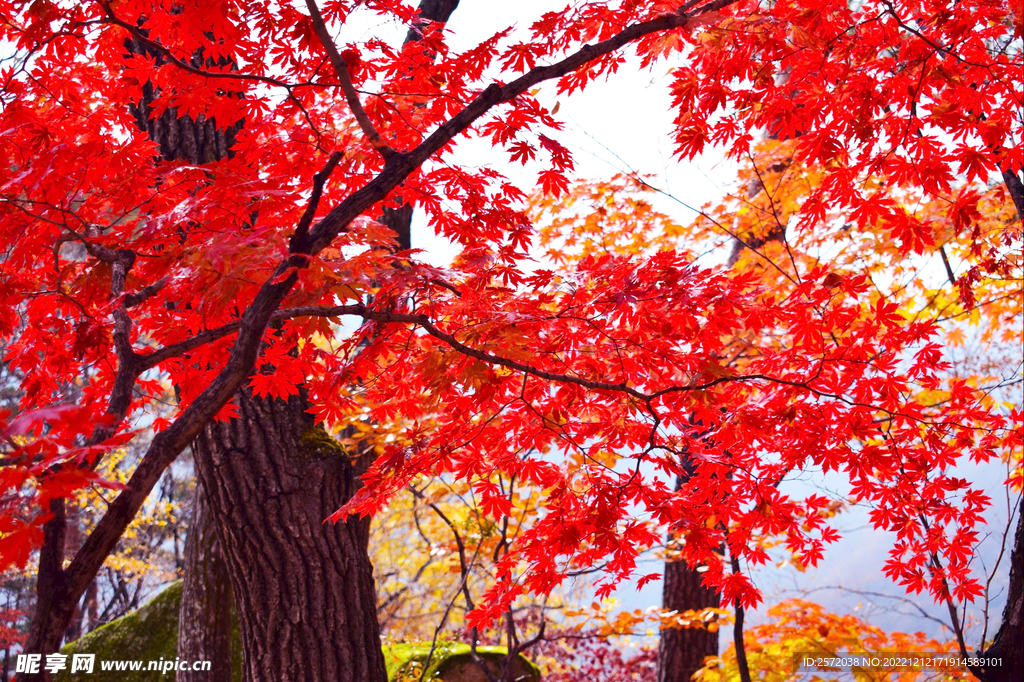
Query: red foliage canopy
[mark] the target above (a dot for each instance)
(594, 383)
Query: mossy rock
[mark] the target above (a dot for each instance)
(148, 633)
(151, 632)
(452, 662)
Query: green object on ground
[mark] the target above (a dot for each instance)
(150, 633)
(452, 662)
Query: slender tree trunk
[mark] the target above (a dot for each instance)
(681, 651)
(204, 618)
(1008, 643)
(304, 589)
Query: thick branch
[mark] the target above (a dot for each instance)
(51, 580)
(345, 79)
(1016, 190)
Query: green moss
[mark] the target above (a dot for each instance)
(316, 442)
(451, 662)
(148, 634)
(151, 633)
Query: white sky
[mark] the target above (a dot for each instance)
(615, 126)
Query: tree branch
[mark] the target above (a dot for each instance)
(319, 180)
(403, 164)
(345, 79)
(737, 629)
(937, 570)
(131, 300)
(1016, 189)
(209, 336)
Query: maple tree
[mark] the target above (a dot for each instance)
(592, 383)
(618, 215)
(763, 227)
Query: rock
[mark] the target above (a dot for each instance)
(150, 633)
(452, 662)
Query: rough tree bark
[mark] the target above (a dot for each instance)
(304, 589)
(204, 618)
(681, 651)
(199, 140)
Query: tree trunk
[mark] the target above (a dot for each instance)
(681, 651)
(1008, 643)
(303, 588)
(204, 617)
(199, 140)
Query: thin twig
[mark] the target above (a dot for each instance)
(737, 628)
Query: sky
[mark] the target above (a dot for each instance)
(619, 125)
